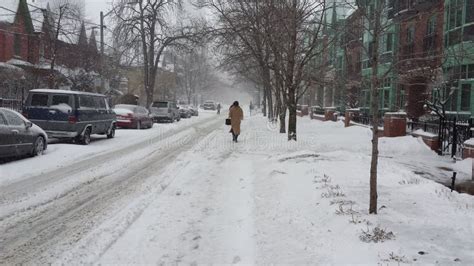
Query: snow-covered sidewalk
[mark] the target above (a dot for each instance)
(266, 200)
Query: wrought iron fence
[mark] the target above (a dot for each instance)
(11, 96)
(430, 127)
(451, 133)
(14, 104)
(366, 120)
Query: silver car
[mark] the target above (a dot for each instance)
(164, 111)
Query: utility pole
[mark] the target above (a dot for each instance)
(102, 82)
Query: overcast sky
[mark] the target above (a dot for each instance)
(93, 8)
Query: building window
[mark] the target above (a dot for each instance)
(389, 42)
(431, 26)
(386, 99)
(339, 62)
(411, 34)
(469, 11)
(459, 9)
(17, 44)
(454, 37)
(453, 100)
(470, 72)
(455, 10)
(367, 98)
(466, 97)
(402, 99)
(435, 95)
(468, 33)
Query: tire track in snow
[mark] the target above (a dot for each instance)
(33, 184)
(45, 236)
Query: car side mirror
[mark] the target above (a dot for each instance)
(28, 124)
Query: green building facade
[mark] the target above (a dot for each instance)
(387, 52)
(458, 64)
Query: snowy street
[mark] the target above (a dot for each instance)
(187, 194)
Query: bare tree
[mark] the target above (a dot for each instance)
(279, 40)
(375, 26)
(242, 42)
(294, 31)
(194, 71)
(147, 22)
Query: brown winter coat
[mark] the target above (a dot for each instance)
(236, 115)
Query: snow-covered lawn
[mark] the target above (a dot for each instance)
(266, 200)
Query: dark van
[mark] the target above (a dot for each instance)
(70, 114)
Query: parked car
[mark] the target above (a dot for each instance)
(185, 112)
(209, 105)
(164, 111)
(194, 110)
(70, 114)
(19, 136)
(132, 116)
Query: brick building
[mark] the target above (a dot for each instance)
(352, 49)
(18, 36)
(420, 53)
(29, 40)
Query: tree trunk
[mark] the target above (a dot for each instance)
(283, 119)
(281, 108)
(375, 114)
(292, 122)
(277, 104)
(270, 104)
(264, 107)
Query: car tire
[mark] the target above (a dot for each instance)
(86, 138)
(38, 147)
(111, 134)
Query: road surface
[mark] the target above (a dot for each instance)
(37, 227)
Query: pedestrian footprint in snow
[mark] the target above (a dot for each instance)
(236, 115)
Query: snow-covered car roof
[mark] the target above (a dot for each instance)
(67, 92)
(121, 111)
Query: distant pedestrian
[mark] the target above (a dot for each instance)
(251, 108)
(236, 115)
(218, 108)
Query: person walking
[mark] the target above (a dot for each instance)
(236, 115)
(218, 108)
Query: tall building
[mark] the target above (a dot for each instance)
(459, 57)
(387, 49)
(420, 53)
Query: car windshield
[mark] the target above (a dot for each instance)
(126, 106)
(160, 104)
